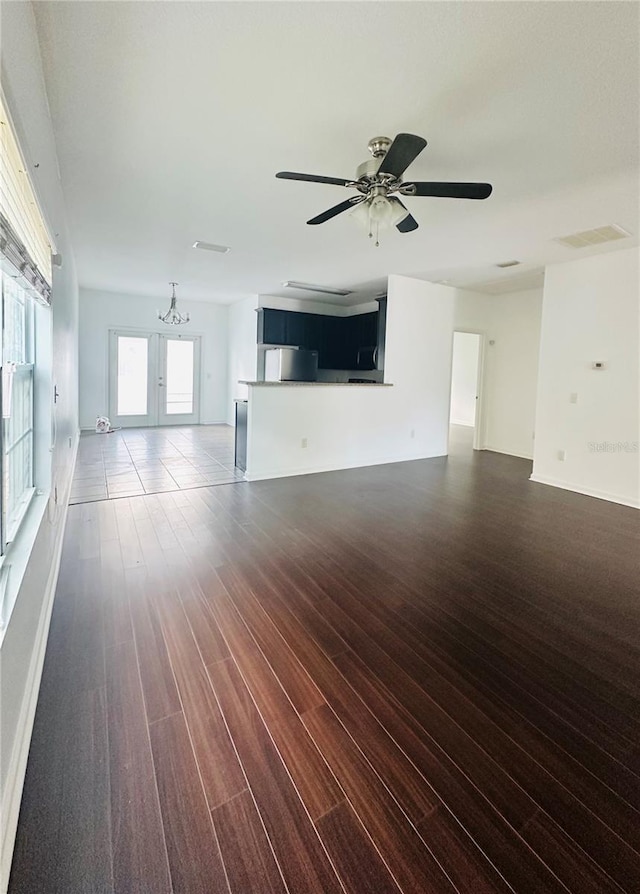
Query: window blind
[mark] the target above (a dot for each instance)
(24, 241)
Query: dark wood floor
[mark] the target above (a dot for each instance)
(420, 677)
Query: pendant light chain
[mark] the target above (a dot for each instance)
(173, 317)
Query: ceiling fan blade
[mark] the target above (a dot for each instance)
(405, 148)
(450, 190)
(407, 223)
(312, 178)
(337, 209)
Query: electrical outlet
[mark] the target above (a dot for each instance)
(413, 433)
(573, 397)
(69, 442)
(562, 454)
(303, 442)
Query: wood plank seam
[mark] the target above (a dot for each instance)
(285, 769)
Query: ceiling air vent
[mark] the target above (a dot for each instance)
(593, 237)
(312, 287)
(509, 264)
(211, 246)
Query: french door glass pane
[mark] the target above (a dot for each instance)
(179, 382)
(132, 375)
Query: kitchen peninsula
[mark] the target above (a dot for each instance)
(296, 428)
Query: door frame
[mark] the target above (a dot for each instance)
(479, 434)
(155, 366)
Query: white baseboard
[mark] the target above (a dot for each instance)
(507, 452)
(12, 794)
(588, 492)
(92, 428)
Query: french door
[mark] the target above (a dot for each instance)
(154, 379)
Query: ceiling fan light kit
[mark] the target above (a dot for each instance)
(379, 213)
(379, 178)
(173, 317)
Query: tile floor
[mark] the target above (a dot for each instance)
(136, 461)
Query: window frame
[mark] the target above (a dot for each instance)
(26, 258)
(13, 516)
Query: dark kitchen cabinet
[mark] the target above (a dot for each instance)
(362, 341)
(272, 325)
(287, 327)
(298, 330)
(355, 342)
(332, 350)
(341, 342)
(366, 330)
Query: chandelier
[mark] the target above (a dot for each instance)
(173, 317)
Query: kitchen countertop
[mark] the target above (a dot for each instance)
(317, 384)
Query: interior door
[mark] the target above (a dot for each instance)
(154, 379)
(179, 380)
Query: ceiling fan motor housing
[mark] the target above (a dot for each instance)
(368, 168)
(379, 146)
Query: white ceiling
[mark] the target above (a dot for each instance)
(172, 118)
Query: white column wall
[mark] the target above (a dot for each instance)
(591, 312)
(242, 350)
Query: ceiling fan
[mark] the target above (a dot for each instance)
(380, 178)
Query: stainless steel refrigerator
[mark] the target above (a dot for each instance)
(290, 365)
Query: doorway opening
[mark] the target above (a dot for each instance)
(154, 379)
(465, 414)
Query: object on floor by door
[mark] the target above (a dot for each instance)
(103, 425)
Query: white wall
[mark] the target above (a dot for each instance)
(510, 369)
(102, 311)
(464, 378)
(23, 644)
(242, 350)
(347, 426)
(590, 312)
